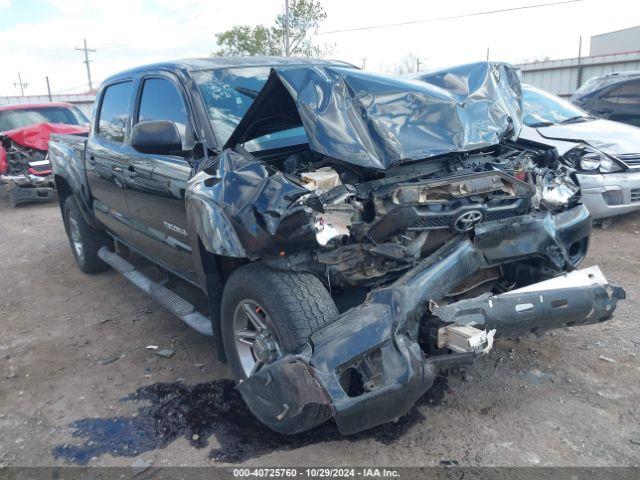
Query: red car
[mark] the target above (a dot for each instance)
(25, 171)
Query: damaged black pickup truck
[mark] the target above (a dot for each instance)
(354, 233)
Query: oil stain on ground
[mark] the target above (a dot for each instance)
(196, 412)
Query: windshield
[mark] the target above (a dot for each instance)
(228, 93)
(20, 118)
(542, 108)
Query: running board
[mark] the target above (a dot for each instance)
(165, 297)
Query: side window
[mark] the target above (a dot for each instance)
(627, 93)
(114, 112)
(160, 100)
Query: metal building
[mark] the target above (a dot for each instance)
(563, 77)
(615, 42)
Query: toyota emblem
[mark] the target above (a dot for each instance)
(468, 220)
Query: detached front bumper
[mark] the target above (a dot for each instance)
(376, 336)
(609, 194)
(27, 188)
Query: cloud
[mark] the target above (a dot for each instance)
(143, 35)
(127, 33)
(5, 3)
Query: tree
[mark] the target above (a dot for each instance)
(305, 17)
(247, 40)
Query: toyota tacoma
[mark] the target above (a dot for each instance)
(354, 233)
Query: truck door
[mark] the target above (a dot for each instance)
(156, 184)
(106, 158)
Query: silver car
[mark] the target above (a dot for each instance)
(606, 154)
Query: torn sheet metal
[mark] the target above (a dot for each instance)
(385, 325)
(247, 208)
(376, 121)
(585, 277)
(582, 297)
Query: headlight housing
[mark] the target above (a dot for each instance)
(587, 159)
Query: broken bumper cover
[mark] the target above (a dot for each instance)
(19, 193)
(376, 334)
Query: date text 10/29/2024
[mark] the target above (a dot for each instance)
(317, 472)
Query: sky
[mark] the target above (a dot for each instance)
(38, 37)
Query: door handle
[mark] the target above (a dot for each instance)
(131, 171)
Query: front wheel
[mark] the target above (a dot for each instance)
(267, 314)
(85, 240)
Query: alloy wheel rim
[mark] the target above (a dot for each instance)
(255, 342)
(76, 239)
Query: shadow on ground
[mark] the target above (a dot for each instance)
(198, 411)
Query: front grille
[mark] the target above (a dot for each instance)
(425, 223)
(433, 222)
(635, 195)
(630, 159)
(500, 215)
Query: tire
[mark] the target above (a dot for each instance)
(85, 241)
(294, 305)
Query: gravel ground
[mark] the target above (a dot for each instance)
(79, 386)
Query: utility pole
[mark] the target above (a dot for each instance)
(20, 84)
(579, 75)
(48, 88)
(487, 54)
(286, 28)
(417, 64)
(86, 61)
(364, 63)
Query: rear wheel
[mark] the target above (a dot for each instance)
(267, 314)
(85, 240)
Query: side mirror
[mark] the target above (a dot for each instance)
(160, 137)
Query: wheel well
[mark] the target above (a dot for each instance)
(216, 269)
(63, 189)
(220, 264)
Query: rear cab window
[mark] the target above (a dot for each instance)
(114, 112)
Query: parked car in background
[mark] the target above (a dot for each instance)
(605, 154)
(354, 232)
(614, 96)
(25, 171)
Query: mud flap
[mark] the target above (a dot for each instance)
(582, 297)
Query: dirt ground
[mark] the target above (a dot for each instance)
(79, 386)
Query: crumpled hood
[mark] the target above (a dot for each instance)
(376, 121)
(612, 138)
(37, 135)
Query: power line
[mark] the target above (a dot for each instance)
(57, 59)
(84, 85)
(452, 17)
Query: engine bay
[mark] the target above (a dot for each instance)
(371, 226)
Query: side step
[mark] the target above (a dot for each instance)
(165, 297)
